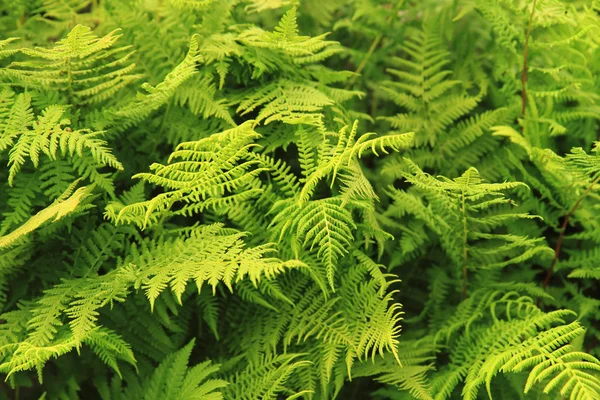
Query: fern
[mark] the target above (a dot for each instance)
(173, 378)
(424, 90)
(299, 199)
(144, 104)
(80, 64)
(70, 201)
(51, 136)
(459, 203)
(201, 179)
(267, 379)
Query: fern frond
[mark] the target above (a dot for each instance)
(155, 97)
(267, 378)
(286, 39)
(51, 135)
(474, 206)
(191, 4)
(27, 355)
(85, 66)
(566, 371)
(423, 89)
(411, 376)
(262, 5)
(71, 201)
(286, 101)
(174, 379)
(200, 174)
(327, 225)
(206, 257)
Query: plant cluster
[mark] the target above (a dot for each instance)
(299, 199)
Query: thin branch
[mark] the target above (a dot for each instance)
(525, 54)
(563, 230)
(364, 61)
(373, 46)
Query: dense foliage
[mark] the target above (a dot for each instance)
(301, 199)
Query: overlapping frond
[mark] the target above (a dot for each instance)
(228, 229)
(204, 174)
(88, 68)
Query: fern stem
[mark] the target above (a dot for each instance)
(364, 61)
(525, 54)
(563, 230)
(163, 120)
(372, 48)
(464, 250)
(69, 78)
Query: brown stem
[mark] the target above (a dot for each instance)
(564, 228)
(525, 54)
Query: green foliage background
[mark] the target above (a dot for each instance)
(301, 199)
